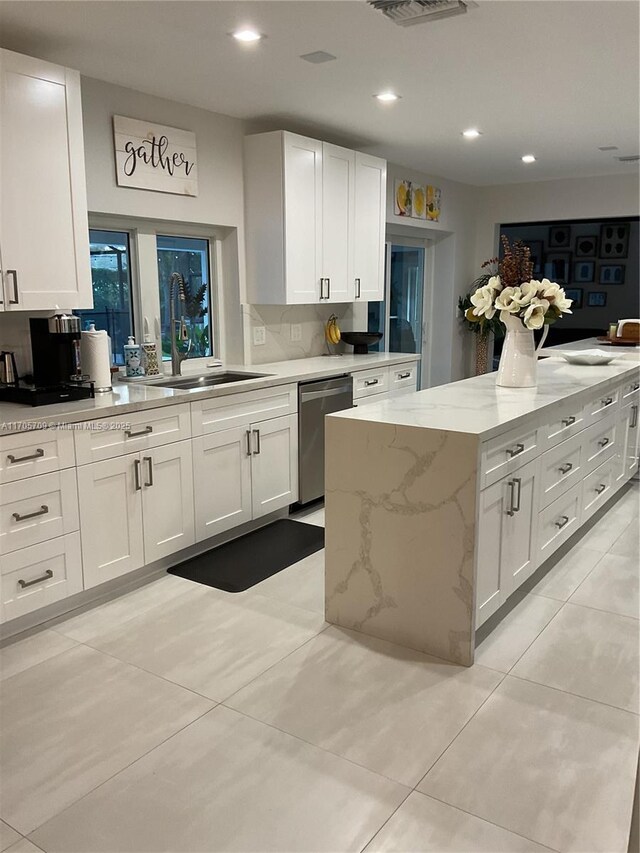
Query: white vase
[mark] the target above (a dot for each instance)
(519, 358)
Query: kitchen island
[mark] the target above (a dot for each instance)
(440, 504)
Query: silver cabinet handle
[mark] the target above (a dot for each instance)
(136, 474)
(404, 375)
(603, 443)
(607, 401)
(636, 386)
(512, 496)
(1, 288)
(256, 432)
(45, 577)
(518, 483)
(600, 489)
(149, 462)
(328, 288)
(37, 455)
(357, 288)
(634, 417)
(561, 524)
(16, 295)
(368, 382)
(145, 431)
(249, 449)
(518, 449)
(564, 469)
(568, 421)
(44, 509)
(322, 282)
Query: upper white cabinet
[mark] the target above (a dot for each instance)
(315, 218)
(44, 242)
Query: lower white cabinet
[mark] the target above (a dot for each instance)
(244, 473)
(629, 435)
(135, 509)
(508, 516)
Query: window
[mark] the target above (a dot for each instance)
(111, 277)
(188, 256)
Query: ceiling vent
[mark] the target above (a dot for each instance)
(632, 158)
(406, 13)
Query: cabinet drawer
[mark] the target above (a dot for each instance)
(561, 469)
(629, 390)
(40, 575)
(506, 453)
(600, 406)
(567, 421)
(236, 410)
(27, 454)
(105, 439)
(404, 377)
(599, 443)
(38, 509)
(557, 522)
(368, 382)
(597, 487)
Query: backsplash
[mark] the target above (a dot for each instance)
(277, 320)
(15, 337)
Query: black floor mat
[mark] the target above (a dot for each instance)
(244, 562)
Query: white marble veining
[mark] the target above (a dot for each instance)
(129, 397)
(477, 406)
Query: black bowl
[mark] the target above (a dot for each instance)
(360, 341)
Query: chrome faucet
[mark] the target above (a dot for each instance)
(177, 357)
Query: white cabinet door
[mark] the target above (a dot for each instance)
(338, 219)
(492, 521)
(627, 458)
(222, 481)
(518, 560)
(167, 500)
(44, 235)
(274, 464)
(110, 518)
(303, 218)
(369, 230)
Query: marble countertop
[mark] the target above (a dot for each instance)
(129, 397)
(477, 406)
(626, 353)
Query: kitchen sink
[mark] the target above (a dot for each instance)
(209, 380)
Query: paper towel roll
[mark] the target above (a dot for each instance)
(95, 358)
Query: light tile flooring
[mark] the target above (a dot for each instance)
(178, 718)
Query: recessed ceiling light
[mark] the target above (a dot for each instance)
(608, 148)
(317, 57)
(387, 97)
(247, 36)
(528, 158)
(471, 133)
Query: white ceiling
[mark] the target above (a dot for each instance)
(557, 78)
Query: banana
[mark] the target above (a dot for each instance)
(332, 330)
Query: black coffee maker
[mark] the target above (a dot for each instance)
(55, 347)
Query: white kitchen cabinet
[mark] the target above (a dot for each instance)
(44, 238)
(369, 227)
(629, 437)
(167, 500)
(507, 538)
(315, 217)
(222, 480)
(274, 464)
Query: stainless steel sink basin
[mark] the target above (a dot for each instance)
(186, 383)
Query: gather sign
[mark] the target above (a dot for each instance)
(155, 157)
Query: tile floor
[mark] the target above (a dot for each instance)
(178, 718)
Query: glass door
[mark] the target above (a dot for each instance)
(400, 316)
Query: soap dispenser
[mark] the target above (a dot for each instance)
(133, 358)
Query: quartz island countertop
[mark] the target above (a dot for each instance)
(128, 397)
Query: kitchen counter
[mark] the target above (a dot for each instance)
(129, 397)
(627, 353)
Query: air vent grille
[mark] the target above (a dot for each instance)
(405, 13)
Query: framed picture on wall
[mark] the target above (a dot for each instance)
(584, 271)
(614, 240)
(611, 274)
(587, 247)
(557, 266)
(559, 236)
(597, 299)
(574, 293)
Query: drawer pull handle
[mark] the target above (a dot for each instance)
(600, 489)
(368, 382)
(45, 577)
(603, 443)
(256, 432)
(607, 401)
(37, 455)
(568, 421)
(636, 386)
(518, 449)
(145, 431)
(564, 469)
(136, 474)
(149, 462)
(561, 524)
(406, 375)
(634, 417)
(44, 509)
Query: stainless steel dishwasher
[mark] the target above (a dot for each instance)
(315, 400)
